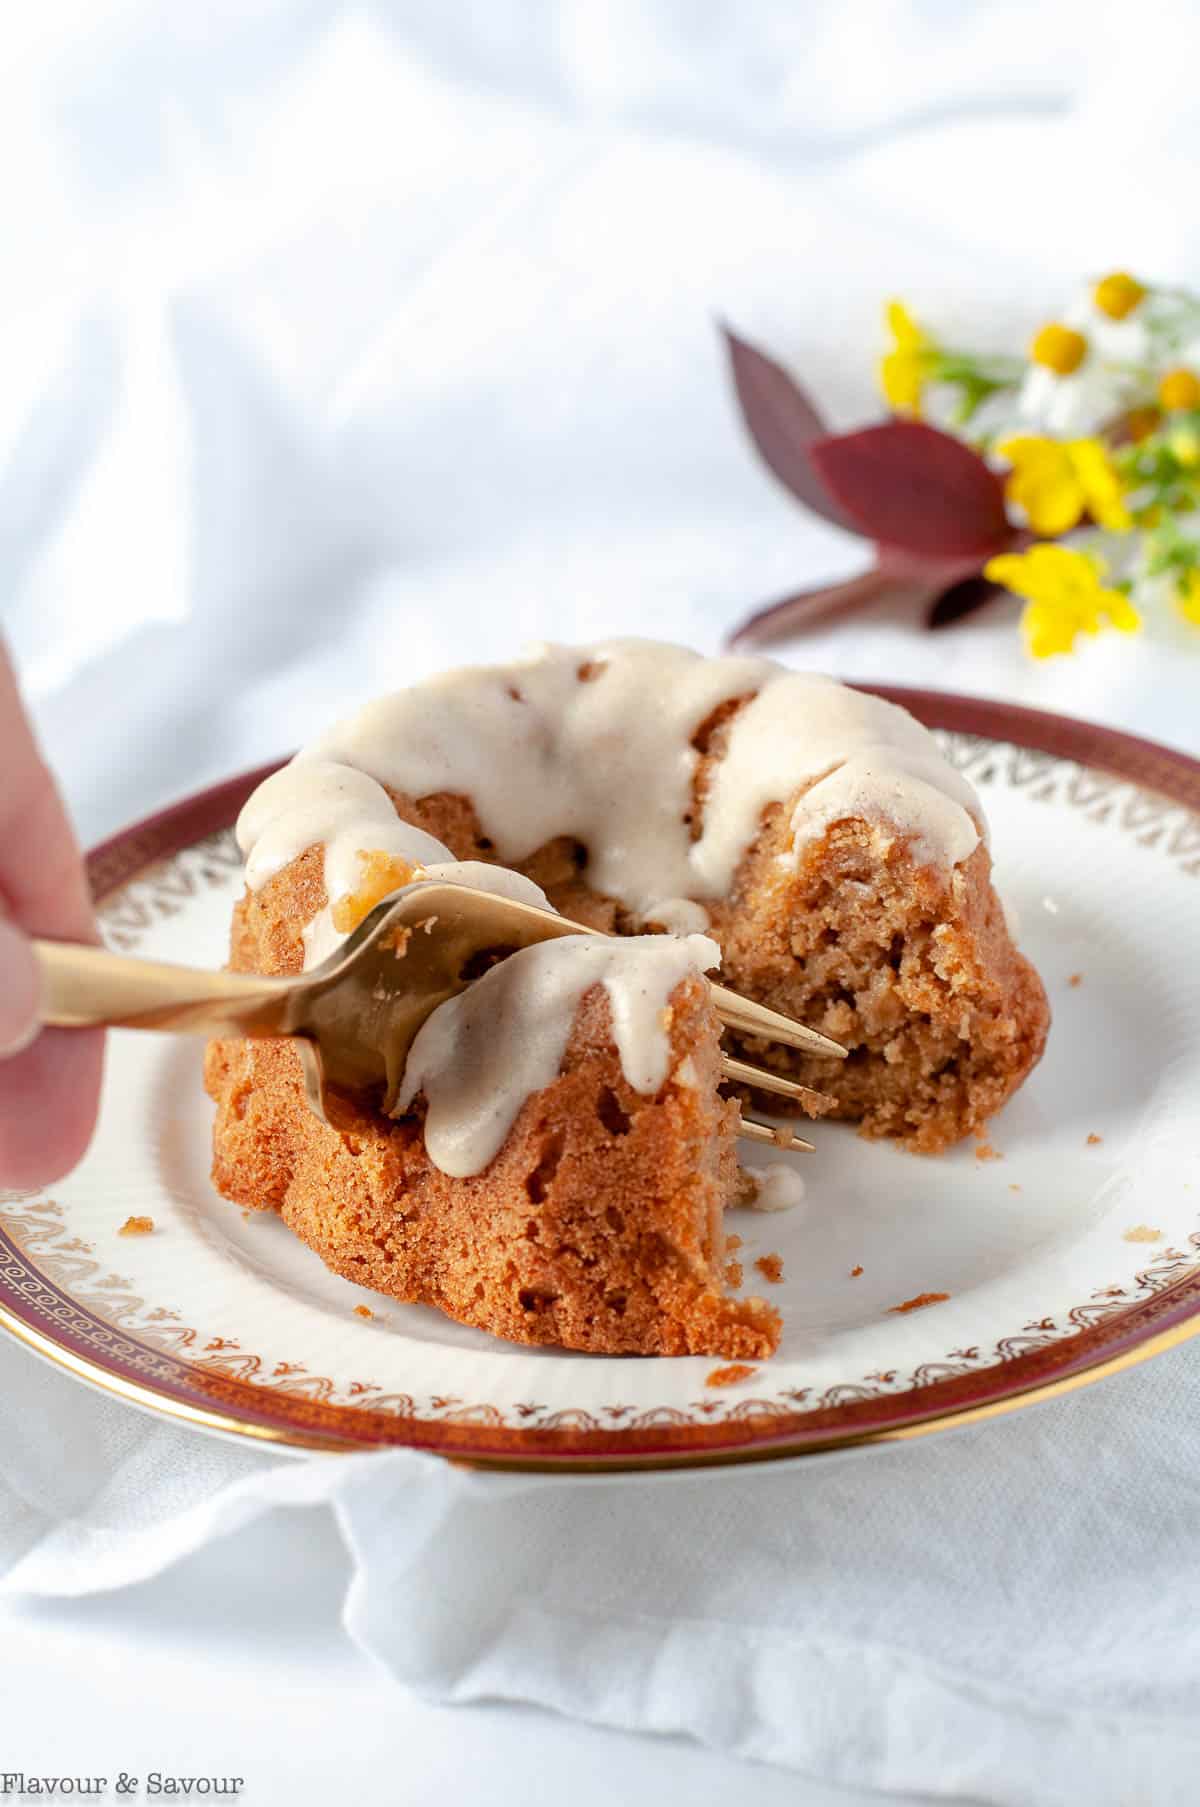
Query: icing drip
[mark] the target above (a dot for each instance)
(318, 801)
(679, 916)
(313, 801)
(854, 755)
(483, 1053)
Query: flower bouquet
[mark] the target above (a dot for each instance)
(1070, 477)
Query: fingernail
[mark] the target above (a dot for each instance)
(20, 990)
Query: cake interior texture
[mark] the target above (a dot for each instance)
(598, 1224)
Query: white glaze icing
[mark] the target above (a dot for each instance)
(484, 1052)
(314, 801)
(607, 759)
(776, 1188)
(854, 755)
(679, 916)
(303, 805)
(541, 752)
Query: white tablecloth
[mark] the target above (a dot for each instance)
(342, 344)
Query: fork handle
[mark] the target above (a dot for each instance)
(84, 987)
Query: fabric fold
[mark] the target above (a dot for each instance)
(984, 1613)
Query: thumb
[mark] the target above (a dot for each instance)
(20, 989)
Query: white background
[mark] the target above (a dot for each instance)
(344, 343)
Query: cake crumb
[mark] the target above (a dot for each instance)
(1094, 1140)
(729, 1376)
(246, 1216)
(1141, 1232)
(778, 1188)
(732, 1243)
(363, 1311)
(136, 1226)
(771, 1268)
(1075, 981)
(985, 1152)
(919, 1303)
(1013, 1186)
(733, 1274)
(855, 1272)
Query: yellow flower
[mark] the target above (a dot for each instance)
(1187, 596)
(1179, 389)
(903, 369)
(1059, 348)
(1064, 597)
(1117, 295)
(1057, 481)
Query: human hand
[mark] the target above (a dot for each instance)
(49, 1078)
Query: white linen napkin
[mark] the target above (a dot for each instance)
(1005, 1612)
(344, 345)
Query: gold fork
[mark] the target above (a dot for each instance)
(353, 1018)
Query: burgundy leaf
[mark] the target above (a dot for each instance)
(896, 576)
(936, 572)
(811, 608)
(962, 599)
(783, 425)
(912, 487)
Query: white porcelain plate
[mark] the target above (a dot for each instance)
(1066, 1246)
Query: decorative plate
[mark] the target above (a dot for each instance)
(916, 1293)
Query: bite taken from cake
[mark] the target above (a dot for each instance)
(563, 1146)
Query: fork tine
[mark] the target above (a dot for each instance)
(749, 1018)
(506, 919)
(744, 1072)
(312, 1070)
(775, 1137)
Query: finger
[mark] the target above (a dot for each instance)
(50, 1095)
(41, 872)
(49, 1092)
(18, 991)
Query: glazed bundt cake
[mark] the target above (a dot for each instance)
(563, 1152)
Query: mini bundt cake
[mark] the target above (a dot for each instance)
(562, 1152)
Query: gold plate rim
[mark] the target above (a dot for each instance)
(149, 1399)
